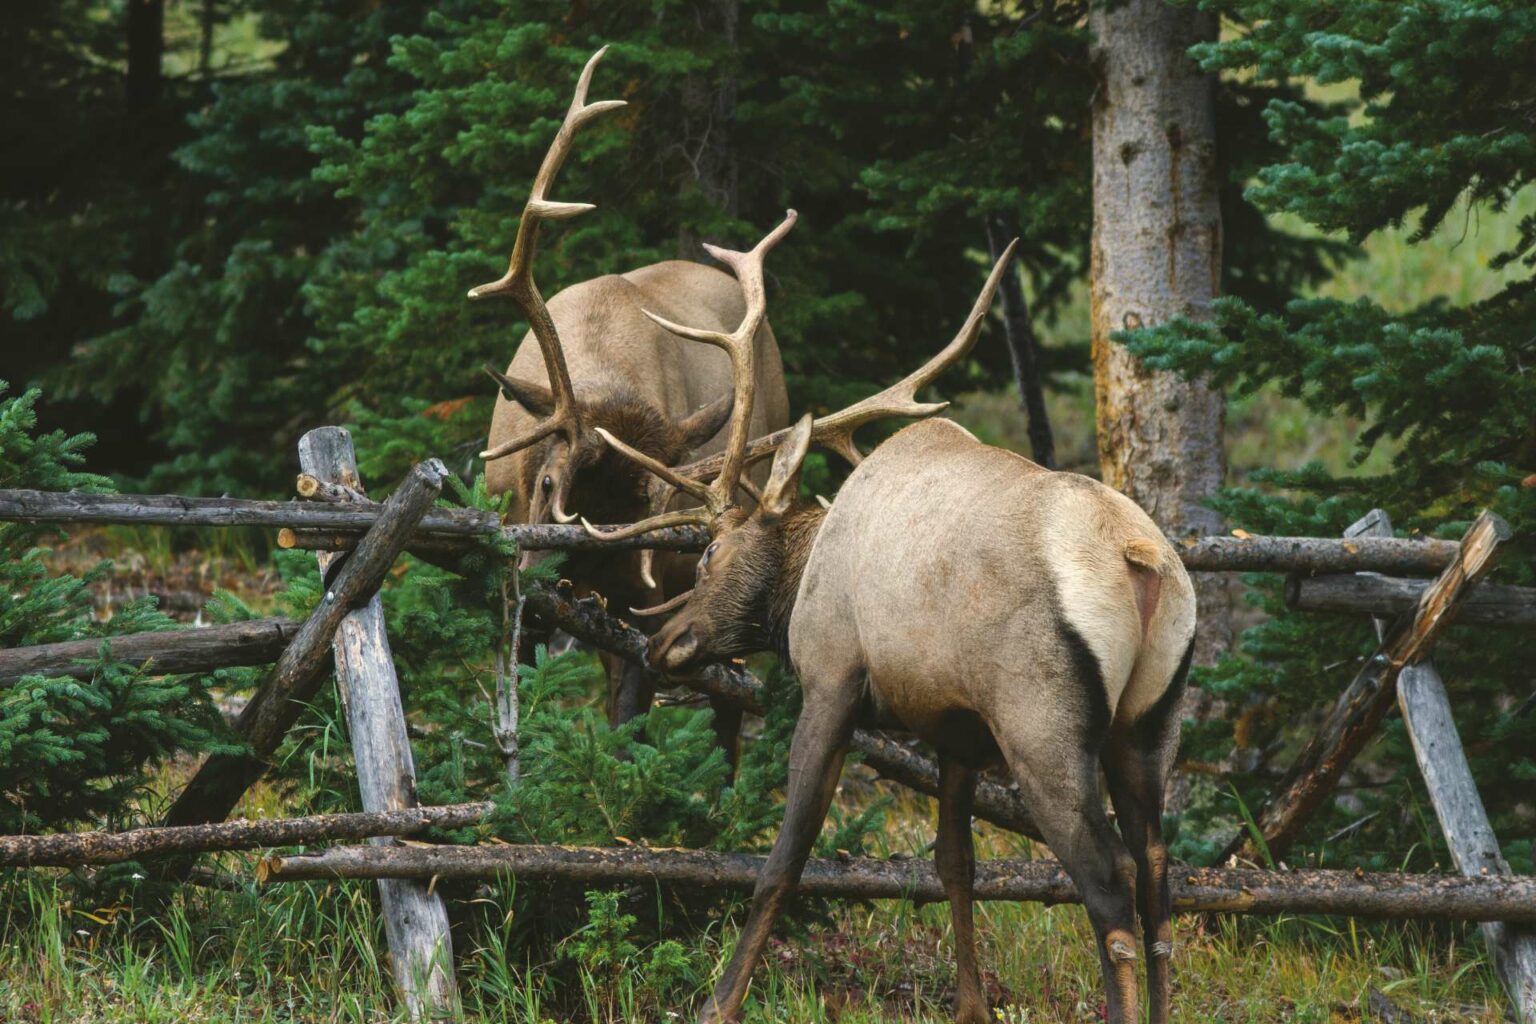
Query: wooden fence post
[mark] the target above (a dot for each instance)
(1426, 711)
(1360, 709)
(415, 918)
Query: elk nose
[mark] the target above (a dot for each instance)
(672, 651)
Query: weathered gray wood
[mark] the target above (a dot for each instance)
(173, 510)
(200, 649)
(306, 662)
(1458, 805)
(415, 917)
(1315, 554)
(338, 526)
(1355, 718)
(1487, 604)
(1195, 890)
(68, 849)
(587, 620)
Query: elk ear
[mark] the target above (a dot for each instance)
(698, 427)
(783, 485)
(536, 398)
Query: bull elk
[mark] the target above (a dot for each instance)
(611, 370)
(999, 610)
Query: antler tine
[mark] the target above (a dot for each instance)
(518, 280)
(835, 431)
(739, 344)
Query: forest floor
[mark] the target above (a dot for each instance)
(315, 953)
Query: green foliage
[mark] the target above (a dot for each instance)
(76, 750)
(1437, 123)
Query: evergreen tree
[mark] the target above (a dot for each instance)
(1442, 118)
(77, 750)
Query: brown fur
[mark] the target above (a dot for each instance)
(990, 606)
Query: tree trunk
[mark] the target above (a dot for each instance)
(709, 111)
(1023, 348)
(1157, 255)
(146, 45)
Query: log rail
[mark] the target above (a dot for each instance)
(1195, 890)
(328, 524)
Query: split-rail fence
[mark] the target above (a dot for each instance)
(1366, 572)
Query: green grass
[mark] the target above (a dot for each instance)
(314, 952)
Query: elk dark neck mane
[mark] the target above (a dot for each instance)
(800, 526)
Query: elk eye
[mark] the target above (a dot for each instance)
(549, 485)
(708, 552)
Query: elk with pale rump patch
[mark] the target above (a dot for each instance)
(999, 610)
(611, 369)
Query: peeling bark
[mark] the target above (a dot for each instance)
(1156, 255)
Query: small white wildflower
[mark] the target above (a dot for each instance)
(138, 877)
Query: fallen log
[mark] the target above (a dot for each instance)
(306, 662)
(68, 849)
(1195, 890)
(174, 510)
(1486, 604)
(587, 619)
(1315, 554)
(172, 652)
(1201, 554)
(1359, 711)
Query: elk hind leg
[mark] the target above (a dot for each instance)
(815, 761)
(1053, 753)
(955, 860)
(1137, 759)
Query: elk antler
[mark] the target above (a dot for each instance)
(740, 345)
(835, 431)
(518, 280)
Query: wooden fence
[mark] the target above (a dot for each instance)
(344, 637)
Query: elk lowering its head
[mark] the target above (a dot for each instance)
(745, 581)
(998, 610)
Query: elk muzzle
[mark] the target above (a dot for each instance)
(673, 648)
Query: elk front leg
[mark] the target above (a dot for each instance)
(815, 762)
(955, 860)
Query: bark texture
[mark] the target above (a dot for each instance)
(1195, 890)
(258, 642)
(438, 527)
(1486, 604)
(415, 917)
(1156, 255)
(72, 848)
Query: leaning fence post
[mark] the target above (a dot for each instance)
(1426, 711)
(415, 918)
(1360, 709)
